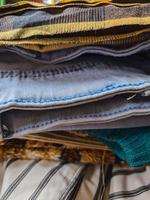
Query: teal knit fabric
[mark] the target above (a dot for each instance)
(131, 145)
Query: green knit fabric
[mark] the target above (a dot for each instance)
(131, 145)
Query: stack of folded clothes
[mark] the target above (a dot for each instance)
(74, 100)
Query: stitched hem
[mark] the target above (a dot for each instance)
(94, 116)
(88, 94)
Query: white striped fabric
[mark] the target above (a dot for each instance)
(49, 180)
(130, 184)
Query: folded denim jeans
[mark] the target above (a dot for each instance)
(45, 97)
(29, 85)
(20, 122)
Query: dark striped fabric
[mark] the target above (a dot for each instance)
(130, 183)
(43, 28)
(37, 180)
(30, 180)
(71, 20)
(18, 179)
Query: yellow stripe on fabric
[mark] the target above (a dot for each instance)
(37, 6)
(76, 40)
(53, 29)
(74, 2)
(49, 48)
(44, 45)
(56, 2)
(72, 142)
(70, 1)
(21, 3)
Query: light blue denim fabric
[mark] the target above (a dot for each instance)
(92, 89)
(20, 122)
(27, 85)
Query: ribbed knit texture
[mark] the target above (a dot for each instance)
(71, 20)
(131, 145)
(37, 26)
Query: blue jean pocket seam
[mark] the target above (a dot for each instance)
(81, 95)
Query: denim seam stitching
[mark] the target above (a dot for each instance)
(92, 93)
(44, 73)
(45, 123)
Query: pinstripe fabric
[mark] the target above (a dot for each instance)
(18, 179)
(55, 180)
(130, 183)
(91, 184)
(103, 182)
(74, 184)
(44, 182)
(68, 181)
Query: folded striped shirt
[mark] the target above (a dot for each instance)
(130, 183)
(56, 180)
(69, 181)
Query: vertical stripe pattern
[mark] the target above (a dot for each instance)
(45, 181)
(17, 181)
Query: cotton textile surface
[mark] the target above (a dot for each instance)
(74, 95)
(72, 181)
(41, 23)
(74, 100)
